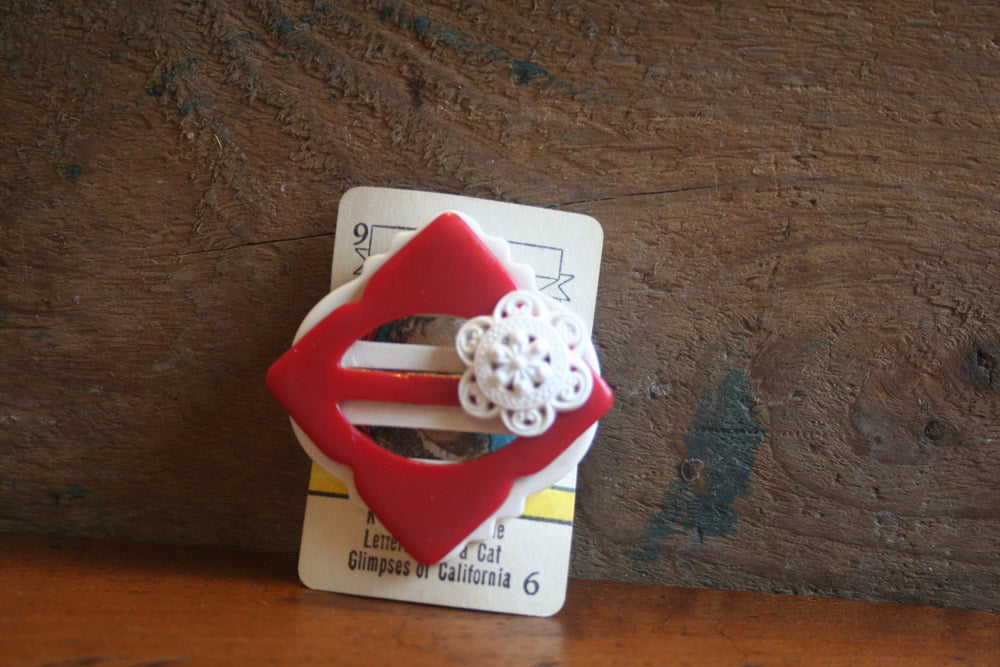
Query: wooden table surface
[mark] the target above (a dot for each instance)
(72, 602)
(799, 294)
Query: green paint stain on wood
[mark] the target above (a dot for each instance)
(522, 72)
(172, 72)
(420, 25)
(230, 41)
(722, 439)
(192, 104)
(284, 27)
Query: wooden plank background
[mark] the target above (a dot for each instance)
(798, 305)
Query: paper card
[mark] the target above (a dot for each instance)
(524, 567)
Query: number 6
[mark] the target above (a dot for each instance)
(531, 584)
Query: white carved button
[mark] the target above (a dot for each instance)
(523, 363)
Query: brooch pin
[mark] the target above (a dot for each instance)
(522, 364)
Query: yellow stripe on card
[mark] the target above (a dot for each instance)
(323, 483)
(555, 504)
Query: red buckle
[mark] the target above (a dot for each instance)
(431, 508)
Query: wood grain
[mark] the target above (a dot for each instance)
(799, 294)
(73, 602)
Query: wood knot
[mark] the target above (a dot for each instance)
(692, 469)
(934, 429)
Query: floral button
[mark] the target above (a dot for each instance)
(523, 363)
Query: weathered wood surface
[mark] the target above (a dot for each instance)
(77, 602)
(799, 293)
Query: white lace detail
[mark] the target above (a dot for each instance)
(523, 363)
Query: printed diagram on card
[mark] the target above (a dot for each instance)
(547, 261)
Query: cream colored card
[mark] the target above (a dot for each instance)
(523, 567)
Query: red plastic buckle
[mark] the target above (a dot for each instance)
(431, 508)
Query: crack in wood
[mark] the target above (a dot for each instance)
(249, 244)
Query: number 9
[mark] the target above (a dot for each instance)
(360, 233)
